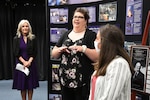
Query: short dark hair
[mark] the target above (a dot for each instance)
(85, 12)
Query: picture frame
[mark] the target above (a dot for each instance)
(108, 12)
(55, 77)
(140, 56)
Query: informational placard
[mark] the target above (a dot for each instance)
(140, 56)
(133, 25)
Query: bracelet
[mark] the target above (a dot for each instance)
(84, 48)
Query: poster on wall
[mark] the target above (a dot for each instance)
(133, 24)
(140, 61)
(108, 12)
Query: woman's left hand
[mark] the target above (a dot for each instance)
(27, 63)
(76, 48)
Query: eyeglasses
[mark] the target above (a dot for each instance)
(79, 17)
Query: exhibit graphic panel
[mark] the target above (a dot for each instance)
(133, 24)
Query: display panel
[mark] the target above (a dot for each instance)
(92, 13)
(133, 23)
(63, 2)
(58, 15)
(57, 2)
(108, 12)
(55, 34)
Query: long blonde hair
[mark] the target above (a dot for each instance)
(30, 34)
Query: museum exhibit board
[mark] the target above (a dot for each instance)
(140, 50)
(59, 18)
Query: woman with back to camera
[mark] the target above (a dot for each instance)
(25, 50)
(111, 79)
(76, 49)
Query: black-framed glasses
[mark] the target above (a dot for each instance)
(79, 17)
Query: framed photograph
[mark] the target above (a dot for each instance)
(55, 97)
(57, 2)
(56, 33)
(58, 15)
(140, 59)
(55, 77)
(108, 12)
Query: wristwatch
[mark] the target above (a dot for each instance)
(84, 48)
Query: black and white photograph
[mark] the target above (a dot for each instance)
(139, 56)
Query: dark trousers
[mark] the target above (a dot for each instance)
(80, 93)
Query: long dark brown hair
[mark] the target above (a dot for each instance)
(112, 44)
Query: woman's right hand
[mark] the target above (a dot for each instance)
(63, 49)
(56, 52)
(26, 63)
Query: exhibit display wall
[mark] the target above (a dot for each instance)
(59, 20)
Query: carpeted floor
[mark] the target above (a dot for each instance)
(6, 92)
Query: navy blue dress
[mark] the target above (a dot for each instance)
(20, 80)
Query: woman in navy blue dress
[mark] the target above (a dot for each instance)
(25, 50)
